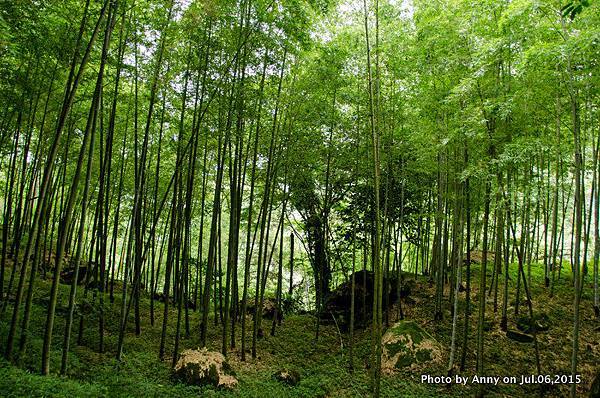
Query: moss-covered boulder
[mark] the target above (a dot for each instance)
(202, 367)
(406, 345)
(541, 323)
(287, 376)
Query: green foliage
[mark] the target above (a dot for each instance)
(573, 8)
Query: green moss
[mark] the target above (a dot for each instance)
(395, 348)
(16, 382)
(408, 336)
(423, 355)
(322, 364)
(412, 329)
(405, 361)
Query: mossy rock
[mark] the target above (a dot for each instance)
(406, 345)
(203, 367)
(541, 323)
(287, 376)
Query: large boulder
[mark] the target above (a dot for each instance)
(338, 302)
(157, 296)
(68, 274)
(202, 367)
(408, 346)
(269, 307)
(477, 257)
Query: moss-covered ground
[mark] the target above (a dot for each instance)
(322, 364)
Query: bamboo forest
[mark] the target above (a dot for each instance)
(299, 198)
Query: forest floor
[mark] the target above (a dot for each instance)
(323, 365)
